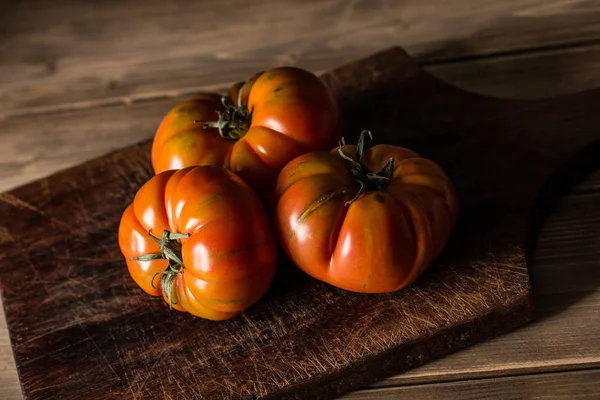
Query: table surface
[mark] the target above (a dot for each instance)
(76, 79)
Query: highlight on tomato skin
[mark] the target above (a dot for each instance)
(369, 221)
(201, 238)
(261, 125)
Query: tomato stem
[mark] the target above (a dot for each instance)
(367, 180)
(234, 122)
(170, 249)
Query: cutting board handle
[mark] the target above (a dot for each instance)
(492, 148)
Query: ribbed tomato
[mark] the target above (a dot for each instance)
(361, 230)
(200, 237)
(264, 123)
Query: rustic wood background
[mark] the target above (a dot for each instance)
(81, 79)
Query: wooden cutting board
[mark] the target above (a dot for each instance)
(81, 329)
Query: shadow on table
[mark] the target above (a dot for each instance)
(566, 268)
(564, 241)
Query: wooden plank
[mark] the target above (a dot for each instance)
(533, 348)
(580, 385)
(590, 185)
(72, 319)
(569, 247)
(38, 145)
(10, 387)
(566, 298)
(121, 126)
(535, 144)
(541, 74)
(84, 53)
(496, 85)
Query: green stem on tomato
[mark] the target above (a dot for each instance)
(170, 249)
(234, 122)
(367, 180)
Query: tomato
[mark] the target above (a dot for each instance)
(263, 124)
(201, 238)
(361, 230)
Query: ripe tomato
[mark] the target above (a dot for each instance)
(264, 123)
(359, 230)
(200, 237)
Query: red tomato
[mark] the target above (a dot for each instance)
(200, 237)
(265, 122)
(363, 231)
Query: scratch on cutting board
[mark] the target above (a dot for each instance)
(149, 373)
(34, 271)
(78, 321)
(562, 7)
(16, 202)
(5, 236)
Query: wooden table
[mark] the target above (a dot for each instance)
(81, 79)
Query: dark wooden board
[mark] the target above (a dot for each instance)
(81, 329)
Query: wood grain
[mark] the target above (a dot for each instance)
(504, 59)
(9, 381)
(551, 386)
(533, 348)
(481, 288)
(532, 75)
(589, 185)
(566, 299)
(73, 53)
(39, 145)
(92, 202)
(521, 351)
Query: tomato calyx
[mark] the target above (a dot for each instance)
(368, 180)
(234, 122)
(170, 249)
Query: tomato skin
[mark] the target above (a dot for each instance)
(383, 240)
(181, 142)
(292, 113)
(229, 257)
